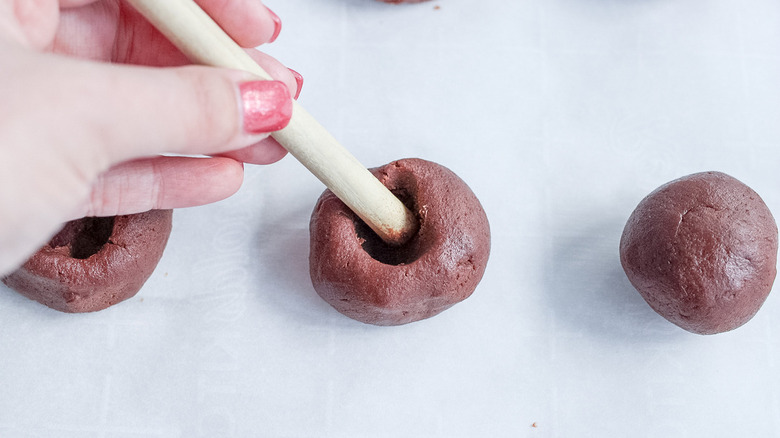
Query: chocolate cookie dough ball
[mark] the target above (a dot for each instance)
(93, 263)
(367, 280)
(702, 251)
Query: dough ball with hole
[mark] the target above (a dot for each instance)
(93, 263)
(367, 280)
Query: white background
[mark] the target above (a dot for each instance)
(561, 115)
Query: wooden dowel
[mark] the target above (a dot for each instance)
(191, 30)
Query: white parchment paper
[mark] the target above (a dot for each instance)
(561, 115)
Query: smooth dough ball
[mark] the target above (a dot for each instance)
(93, 263)
(367, 280)
(702, 251)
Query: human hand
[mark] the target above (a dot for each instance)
(80, 134)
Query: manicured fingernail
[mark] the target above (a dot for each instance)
(267, 106)
(298, 82)
(277, 25)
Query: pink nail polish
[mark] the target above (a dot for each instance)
(298, 81)
(277, 26)
(267, 106)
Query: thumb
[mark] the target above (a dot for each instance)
(126, 112)
(191, 110)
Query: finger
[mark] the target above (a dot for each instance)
(267, 151)
(138, 42)
(132, 112)
(248, 22)
(278, 71)
(162, 183)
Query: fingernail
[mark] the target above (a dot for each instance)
(277, 25)
(267, 106)
(298, 82)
